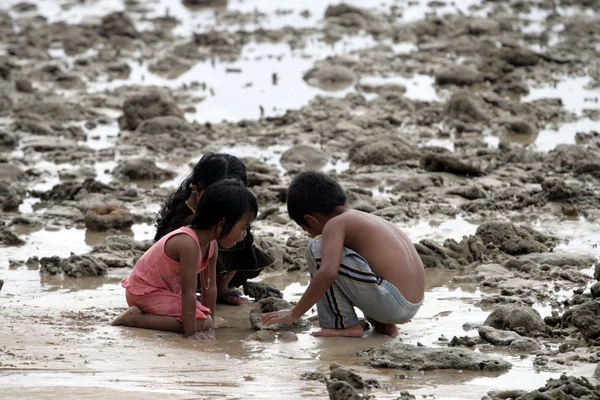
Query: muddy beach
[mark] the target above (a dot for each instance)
(472, 124)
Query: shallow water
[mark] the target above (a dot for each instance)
(79, 349)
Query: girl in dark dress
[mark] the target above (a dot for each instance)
(236, 265)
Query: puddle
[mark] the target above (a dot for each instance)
(548, 139)
(573, 92)
(418, 87)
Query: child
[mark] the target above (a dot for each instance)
(361, 260)
(236, 265)
(161, 290)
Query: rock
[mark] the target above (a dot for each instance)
(459, 75)
(74, 190)
(50, 144)
(595, 290)
(6, 103)
(330, 77)
(272, 304)
(482, 26)
(504, 394)
(141, 169)
(395, 354)
(52, 110)
(342, 8)
(64, 212)
(340, 373)
(303, 157)
(313, 376)
(385, 89)
(11, 173)
(519, 131)
(10, 198)
(405, 395)
(454, 164)
(512, 239)
(559, 259)
(261, 336)
(586, 318)
(519, 57)
(464, 107)
(259, 290)
(169, 124)
(24, 86)
(120, 251)
(287, 337)
(74, 266)
(564, 388)
(489, 274)
(8, 238)
(108, 216)
(1, 283)
(497, 337)
(117, 24)
(525, 344)
(522, 319)
(342, 391)
(144, 107)
(471, 192)
(8, 140)
(386, 150)
(451, 255)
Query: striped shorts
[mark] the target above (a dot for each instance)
(357, 286)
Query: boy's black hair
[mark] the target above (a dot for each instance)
(211, 168)
(313, 192)
(227, 200)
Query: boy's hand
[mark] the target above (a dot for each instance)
(278, 317)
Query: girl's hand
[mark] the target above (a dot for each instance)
(278, 317)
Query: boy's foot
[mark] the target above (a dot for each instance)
(232, 298)
(354, 331)
(127, 316)
(384, 329)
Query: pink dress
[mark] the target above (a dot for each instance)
(155, 282)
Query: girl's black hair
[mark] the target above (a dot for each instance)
(211, 168)
(227, 200)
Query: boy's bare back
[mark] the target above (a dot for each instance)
(389, 252)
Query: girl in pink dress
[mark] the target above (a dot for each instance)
(161, 290)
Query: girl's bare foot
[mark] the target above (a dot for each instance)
(354, 331)
(127, 317)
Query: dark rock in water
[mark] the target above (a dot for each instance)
(8, 140)
(74, 190)
(405, 395)
(464, 107)
(120, 251)
(10, 198)
(439, 162)
(521, 319)
(145, 107)
(272, 304)
(459, 75)
(303, 157)
(519, 57)
(559, 259)
(395, 354)
(170, 125)
(11, 173)
(117, 24)
(24, 86)
(74, 266)
(496, 336)
(108, 216)
(8, 238)
(330, 77)
(595, 290)
(259, 290)
(53, 110)
(340, 373)
(451, 255)
(141, 169)
(383, 151)
(564, 388)
(585, 317)
(1, 283)
(525, 344)
(341, 9)
(339, 390)
(6, 103)
(465, 341)
(313, 376)
(512, 239)
(468, 192)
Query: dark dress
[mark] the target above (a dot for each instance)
(244, 258)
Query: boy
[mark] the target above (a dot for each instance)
(361, 260)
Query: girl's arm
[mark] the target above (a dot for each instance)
(209, 295)
(189, 256)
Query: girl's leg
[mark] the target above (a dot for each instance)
(134, 318)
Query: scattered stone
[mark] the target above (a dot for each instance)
(446, 162)
(261, 336)
(118, 24)
(169, 124)
(74, 266)
(339, 390)
(595, 290)
(120, 251)
(586, 318)
(141, 169)
(272, 304)
(525, 344)
(460, 75)
(521, 319)
(395, 354)
(564, 388)
(330, 77)
(512, 239)
(260, 290)
(1, 284)
(8, 238)
(24, 86)
(472, 192)
(303, 157)
(497, 337)
(313, 376)
(382, 151)
(451, 255)
(11, 173)
(144, 107)
(464, 107)
(108, 216)
(7, 140)
(340, 373)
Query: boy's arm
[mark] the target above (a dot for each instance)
(209, 296)
(332, 244)
(189, 255)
